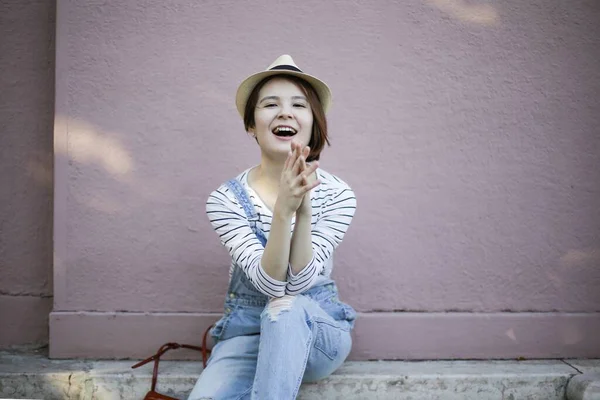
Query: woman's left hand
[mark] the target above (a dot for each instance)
(305, 205)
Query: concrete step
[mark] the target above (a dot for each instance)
(34, 376)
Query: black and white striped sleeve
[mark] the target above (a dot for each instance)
(229, 221)
(334, 220)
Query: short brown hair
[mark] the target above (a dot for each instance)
(319, 137)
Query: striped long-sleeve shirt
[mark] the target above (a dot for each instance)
(333, 206)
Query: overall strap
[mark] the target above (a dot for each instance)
(242, 196)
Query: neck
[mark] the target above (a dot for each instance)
(269, 171)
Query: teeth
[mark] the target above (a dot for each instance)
(284, 129)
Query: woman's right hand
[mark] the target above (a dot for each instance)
(294, 183)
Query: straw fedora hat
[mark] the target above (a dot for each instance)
(284, 65)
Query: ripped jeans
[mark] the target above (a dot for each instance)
(267, 347)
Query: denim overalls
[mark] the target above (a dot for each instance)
(258, 356)
(244, 303)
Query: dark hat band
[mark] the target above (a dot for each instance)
(286, 67)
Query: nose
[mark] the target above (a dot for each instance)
(285, 111)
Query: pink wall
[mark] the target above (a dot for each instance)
(469, 131)
(26, 114)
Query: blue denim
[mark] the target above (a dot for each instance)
(265, 348)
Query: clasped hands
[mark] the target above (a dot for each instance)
(297, 180)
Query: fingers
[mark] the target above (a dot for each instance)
(312, 167)
(310, 186)
(300, 170)
(296, 148)
(295, 152)
(303, 153)
(297, 167)
(288, 161)
(303, 169)
(291, 158)
(310, 170)
(303, 189)
(303, 179)
(313, 185)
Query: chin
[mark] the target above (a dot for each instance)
(279, 155)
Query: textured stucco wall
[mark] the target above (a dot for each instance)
(469, 131)
(26, 122)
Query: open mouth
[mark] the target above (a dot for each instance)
(284, 131)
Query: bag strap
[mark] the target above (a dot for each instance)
(242, 196)
(168, 346)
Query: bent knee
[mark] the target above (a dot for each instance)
(278, 306)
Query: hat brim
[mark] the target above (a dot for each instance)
(248, 85)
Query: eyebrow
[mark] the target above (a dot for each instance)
(277, 98)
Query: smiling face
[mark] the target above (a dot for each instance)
(282, 113)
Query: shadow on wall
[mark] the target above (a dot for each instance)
(463, 10)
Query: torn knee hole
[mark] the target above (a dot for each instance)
(278, 305)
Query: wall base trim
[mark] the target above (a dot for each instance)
(380, 335)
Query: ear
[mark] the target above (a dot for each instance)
(251, 132)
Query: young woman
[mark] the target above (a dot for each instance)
(281, 222)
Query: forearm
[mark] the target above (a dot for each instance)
(277, 251)
(301, 251)
(293, 197)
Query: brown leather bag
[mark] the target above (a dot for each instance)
(153, 394)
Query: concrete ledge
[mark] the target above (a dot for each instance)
(584, 387)
(37, 377)
(106, 335)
